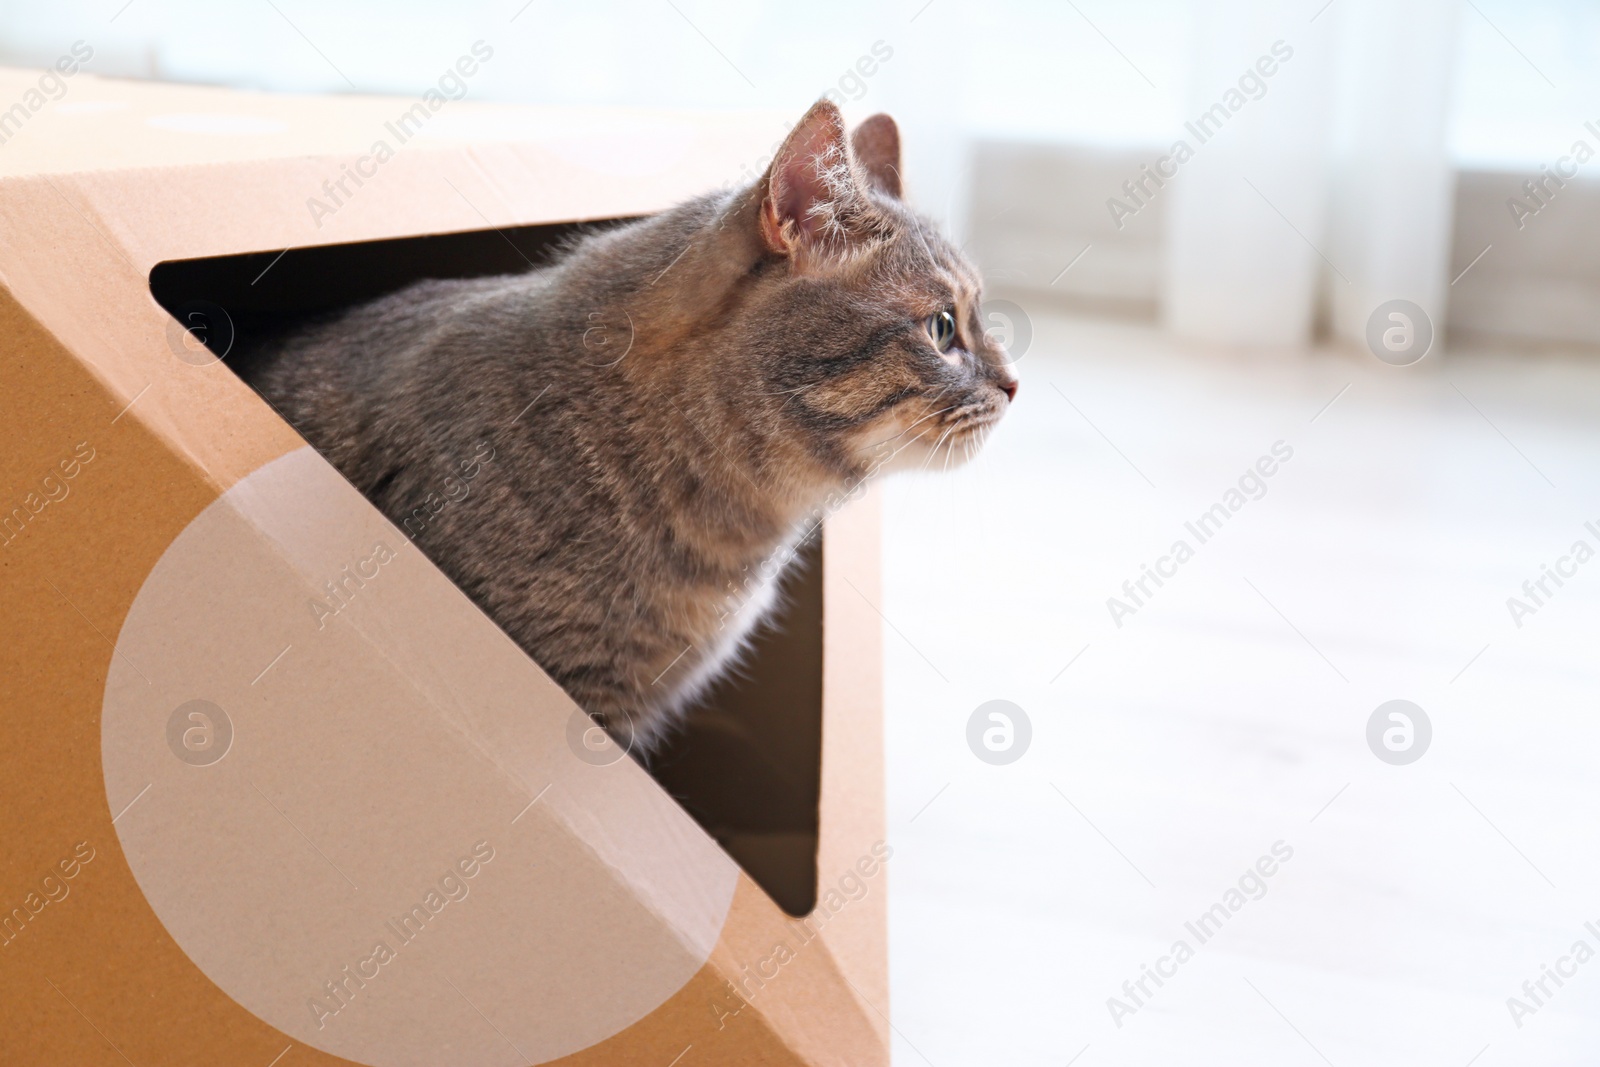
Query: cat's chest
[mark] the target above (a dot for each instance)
(727, 619)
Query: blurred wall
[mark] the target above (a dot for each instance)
(1539, 282)
(1039, 222)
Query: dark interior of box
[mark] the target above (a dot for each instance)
(748, 765)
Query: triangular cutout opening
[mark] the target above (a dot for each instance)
(747, 765)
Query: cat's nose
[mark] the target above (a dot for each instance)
(1009, 387)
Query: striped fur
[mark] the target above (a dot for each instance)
(776, 355)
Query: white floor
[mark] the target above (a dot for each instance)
(1230, 713)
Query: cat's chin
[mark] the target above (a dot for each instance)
(950, 452)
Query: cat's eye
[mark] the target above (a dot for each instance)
(942, 330)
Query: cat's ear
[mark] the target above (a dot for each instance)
(877, 145)
(811, 188)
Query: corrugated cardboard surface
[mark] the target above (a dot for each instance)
(92, 383)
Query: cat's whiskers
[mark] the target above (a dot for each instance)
(914, 425)
(790, 393)
(969, 429)
(794, 393)
(950, 452)
(939, 443)
(925, 418)
(920, 435)
(934, 451)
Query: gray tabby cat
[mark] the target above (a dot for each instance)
(788, 340)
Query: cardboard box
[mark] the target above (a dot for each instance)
(239, 827)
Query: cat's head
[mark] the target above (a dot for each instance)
(861, 323)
